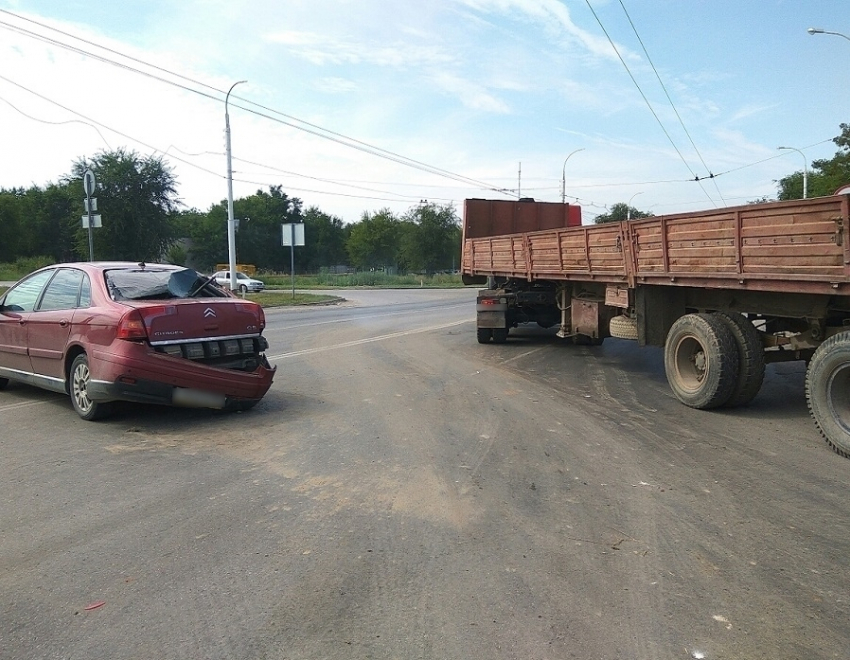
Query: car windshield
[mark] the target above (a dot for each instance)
(153, 284)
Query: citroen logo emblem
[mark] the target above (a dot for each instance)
(209, 312)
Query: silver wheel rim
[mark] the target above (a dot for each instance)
(80, 386)
(691, 362)
(837, 396)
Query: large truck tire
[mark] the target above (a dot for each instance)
(500, 335)
(701, 361)
(750, 358)
(827, 391)
(484, 335)
(623, 327)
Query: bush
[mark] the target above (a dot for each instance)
(365, 278)
(22, 266)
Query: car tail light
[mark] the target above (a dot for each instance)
(262, 319)
(131, 326)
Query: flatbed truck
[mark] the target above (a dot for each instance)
(724, 291)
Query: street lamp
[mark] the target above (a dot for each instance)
(564, 176)
(629, 205)
(231, 223)
(821, 31)
(805, 169)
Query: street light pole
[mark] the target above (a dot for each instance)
(564, 177)
(231, 223)
(821, 31)
(805, 169)
(629, 205)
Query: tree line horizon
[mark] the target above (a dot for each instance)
(142, 221)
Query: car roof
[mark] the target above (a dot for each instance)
(112, 265)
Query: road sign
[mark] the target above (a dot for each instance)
(95, 221)
(292, 234)
(88, 183)
(93, 204)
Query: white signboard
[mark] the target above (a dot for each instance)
(292, 234)
(88, 183)
(95, 221)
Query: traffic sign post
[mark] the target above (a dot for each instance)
(90, 205)
(292, 234)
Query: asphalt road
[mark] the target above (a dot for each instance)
(404, 492)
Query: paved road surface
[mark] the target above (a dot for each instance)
(403, 492)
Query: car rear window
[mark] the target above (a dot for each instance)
(152, 284)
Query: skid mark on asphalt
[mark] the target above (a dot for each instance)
(22, 404)
(368, 340)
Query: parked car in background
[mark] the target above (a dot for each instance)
(149, 333)
(244, 284)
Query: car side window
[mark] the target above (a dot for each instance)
(24, 296)
(63, 292)
(85, 292)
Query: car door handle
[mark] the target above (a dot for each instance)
(63, 322)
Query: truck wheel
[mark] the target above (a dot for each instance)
(500, 335)
(701, 361)
(827, 387)
(750, 358)
(484, 335)
(80, 378)
(623, 327)
(587, 340)
(3, 383)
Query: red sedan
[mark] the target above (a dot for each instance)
(150, 333)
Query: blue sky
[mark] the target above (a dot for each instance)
(495, 94)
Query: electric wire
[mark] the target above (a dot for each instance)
(672, 105)
(307, 127)
(646, 100)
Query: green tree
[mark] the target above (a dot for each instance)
(325, 237)
(258, 240)
(375, 240)
(826, 175)
(258, 237)
(137, 197)
(39, 222)
(11, 230)
(431, 239)
(619, 212)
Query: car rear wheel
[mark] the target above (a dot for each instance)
(80, 378)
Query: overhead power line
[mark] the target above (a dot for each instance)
(645, 99)
(670, 100)
(289, 120)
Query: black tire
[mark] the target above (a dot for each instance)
(3, 383)
(586, 340)
(484, 335)
(243, 289)
(828, 391)
(80, 378)
(750, 359)
(701, 361)
(500, 335)
(623, 327)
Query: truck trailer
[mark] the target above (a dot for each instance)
(724, 292)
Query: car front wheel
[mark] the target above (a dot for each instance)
(80, 379)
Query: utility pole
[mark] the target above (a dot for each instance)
(231, 223)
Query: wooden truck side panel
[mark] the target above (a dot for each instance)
(796, 246)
